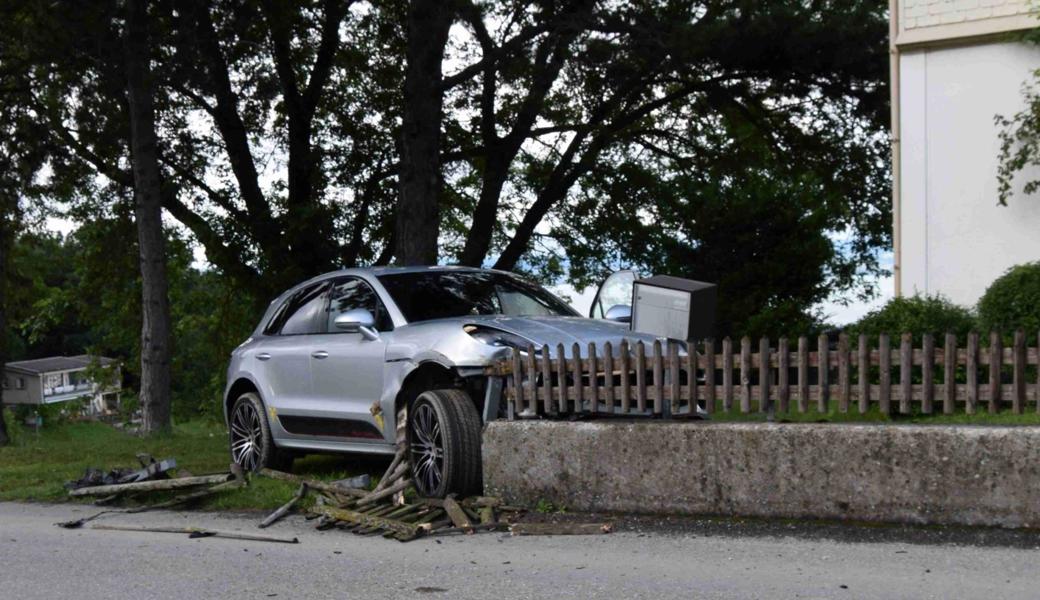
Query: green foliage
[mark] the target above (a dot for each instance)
(917, 315)
(1012, 301)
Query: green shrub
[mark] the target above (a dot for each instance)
(1012, 301)
(917, 315)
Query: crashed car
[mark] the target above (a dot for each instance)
(338, 360)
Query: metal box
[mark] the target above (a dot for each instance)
(675, 308)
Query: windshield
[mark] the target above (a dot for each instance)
(430, 295)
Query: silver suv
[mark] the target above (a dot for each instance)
(339, 360)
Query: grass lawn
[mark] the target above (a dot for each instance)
(35, 466)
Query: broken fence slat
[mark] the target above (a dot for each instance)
(359, 518)
(560, 528)
(321, 486)
(458, 516)
(198, 532)
(284, 509)
(150, 486)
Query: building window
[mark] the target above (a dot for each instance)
(21, 383)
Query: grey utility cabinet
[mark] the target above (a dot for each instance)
(675, 308)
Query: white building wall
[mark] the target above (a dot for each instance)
(955, 238)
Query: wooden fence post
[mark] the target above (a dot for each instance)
(927, 378)
(885, 374)
(608, 377)
(996, 359)
(709, 376)
(532, 381)
(561, 379)
(727, 374)
(593, 379)
(971, 373)
(823, 361)
(950, 374)
(517, 401)
(803, 374)
(547, 400)
(641, 377)
(626, 377)
(864, 374)
(745, 374)
(783, 367)
(673, 374)
(844, 382)
(576, 373)
(764, 376)
(1018, 400)
(658, 371)
(691, 375)
(906, 368)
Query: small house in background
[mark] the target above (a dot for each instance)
(62, 379)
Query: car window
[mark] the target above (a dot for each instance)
(617, 289)
(353, 293)
(299, 315)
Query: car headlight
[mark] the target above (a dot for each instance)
(497, 337)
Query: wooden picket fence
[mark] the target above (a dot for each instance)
(662, 380)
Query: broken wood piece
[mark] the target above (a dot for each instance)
(458, 516)
(167, 504)
(284, 509)
(392, 469)
(321, 486)
(198, 532)
(392, 477)
(487, 515)
(468, 530)
(360, 518)
(400, 486)
(149, 486)
(560, 528)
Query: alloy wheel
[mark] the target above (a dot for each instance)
(427, 446)
(246, 436)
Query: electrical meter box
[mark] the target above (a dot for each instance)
(675, 308)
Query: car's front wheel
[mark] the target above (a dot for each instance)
(249, 436)
(444, 444)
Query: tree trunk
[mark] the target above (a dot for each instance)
(155, 327)
(7, 215)
(418, 216)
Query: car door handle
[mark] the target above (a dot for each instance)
(263, 356)
(320, 354)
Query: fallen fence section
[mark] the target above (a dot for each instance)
(665, 380)
(887, 473)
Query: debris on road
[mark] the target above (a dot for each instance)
(285, 508)
(150, 486)
(150, 470)
(195, 532)
(560, 528)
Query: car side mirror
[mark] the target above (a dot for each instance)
(354, 320)
(620, 313)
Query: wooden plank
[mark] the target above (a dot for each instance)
(561, 379)
(745, 374)
(517, 404)
(863, 383)
(950, 374)
(995, 355)
(576, 374)
(593, 380)
(783, 366)
(641, 377)
(608, 377)
(658, 370)
(673, 376)
(906, 368)
(709, 376)
(691, 376)
(823, 373)
(547, 401)
(359, 518)
(764, 376)
(803, 374)
(626, 377)
(150, 486)
(885, 374)
(927, 373)
(844, 381)
(532, 382)
(1018, 370)
(727, 374)
(971, 373)
(457, 515)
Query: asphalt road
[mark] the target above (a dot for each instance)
(644, 559)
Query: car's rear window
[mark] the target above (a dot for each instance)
(423, 296)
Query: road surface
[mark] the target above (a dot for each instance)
(644, 559)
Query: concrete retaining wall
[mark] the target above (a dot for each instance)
(918, 474)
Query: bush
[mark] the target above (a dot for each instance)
(917, 315)
(1012, 301)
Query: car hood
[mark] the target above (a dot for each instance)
(551, 331)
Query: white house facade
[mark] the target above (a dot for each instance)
(956, 64)
(63, 379)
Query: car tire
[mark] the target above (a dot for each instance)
(444, 444)
(249, 437)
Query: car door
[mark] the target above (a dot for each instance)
(284, 358)
(347, 368)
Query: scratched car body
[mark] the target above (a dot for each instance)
(337, 361)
